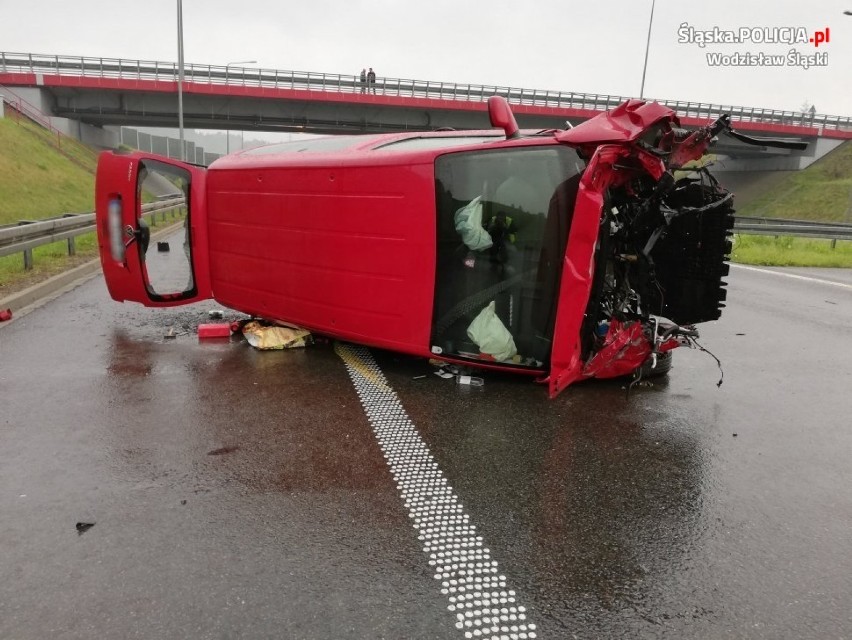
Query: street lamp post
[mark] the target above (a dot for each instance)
(180, 77)
(647, 47)
(228, 131)
(849, 208)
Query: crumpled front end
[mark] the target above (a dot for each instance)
(646, 256)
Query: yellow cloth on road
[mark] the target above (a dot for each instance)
(261, 336)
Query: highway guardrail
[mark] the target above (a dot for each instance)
(26, 235)
(833, 231)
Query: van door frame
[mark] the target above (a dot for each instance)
(116, 189)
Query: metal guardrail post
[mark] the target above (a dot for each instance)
(28, 253)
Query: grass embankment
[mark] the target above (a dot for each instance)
(43, 176)
(37, 181)
(791, 252)
(823, 193)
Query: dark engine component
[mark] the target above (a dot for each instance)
(689, 259)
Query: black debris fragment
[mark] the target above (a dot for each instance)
(222, 450)
(163, 247)
(83, 527)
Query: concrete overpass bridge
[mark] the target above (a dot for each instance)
(99, 93)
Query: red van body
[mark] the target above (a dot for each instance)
(580, 245)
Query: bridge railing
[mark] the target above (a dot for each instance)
(337, 83)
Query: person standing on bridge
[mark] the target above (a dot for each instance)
(371, 81)
(363, 80)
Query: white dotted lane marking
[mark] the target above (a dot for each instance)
(794, 276)
(483, 605)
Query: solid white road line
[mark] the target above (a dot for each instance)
(793, 275)
(483, 605)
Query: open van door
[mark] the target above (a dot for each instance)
(130, 189)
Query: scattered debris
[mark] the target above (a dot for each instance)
(445, 369)
(223, 450)
(473, 381)
(216, 314)
(216, 330)
(693, 343)
(6, 314)
(263, 336)
(830, 302)
(419, 377)
(739, 334)
(170, 334)
(183, 501)
(461, 374)
(163, 247)
(735, 435)
(83, 527)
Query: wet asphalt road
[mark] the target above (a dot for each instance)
(242, 494)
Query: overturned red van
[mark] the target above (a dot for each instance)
(562, 254)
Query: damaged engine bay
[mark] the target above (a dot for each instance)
(663, 242)
(658, 259)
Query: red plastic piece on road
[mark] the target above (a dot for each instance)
(5, 315)
(217, 330)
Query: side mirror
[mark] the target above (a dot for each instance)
(501, 116)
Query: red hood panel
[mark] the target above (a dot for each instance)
(625, 123)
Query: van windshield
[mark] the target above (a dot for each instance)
(503, 217)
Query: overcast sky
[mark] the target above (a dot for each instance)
(594, 47)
